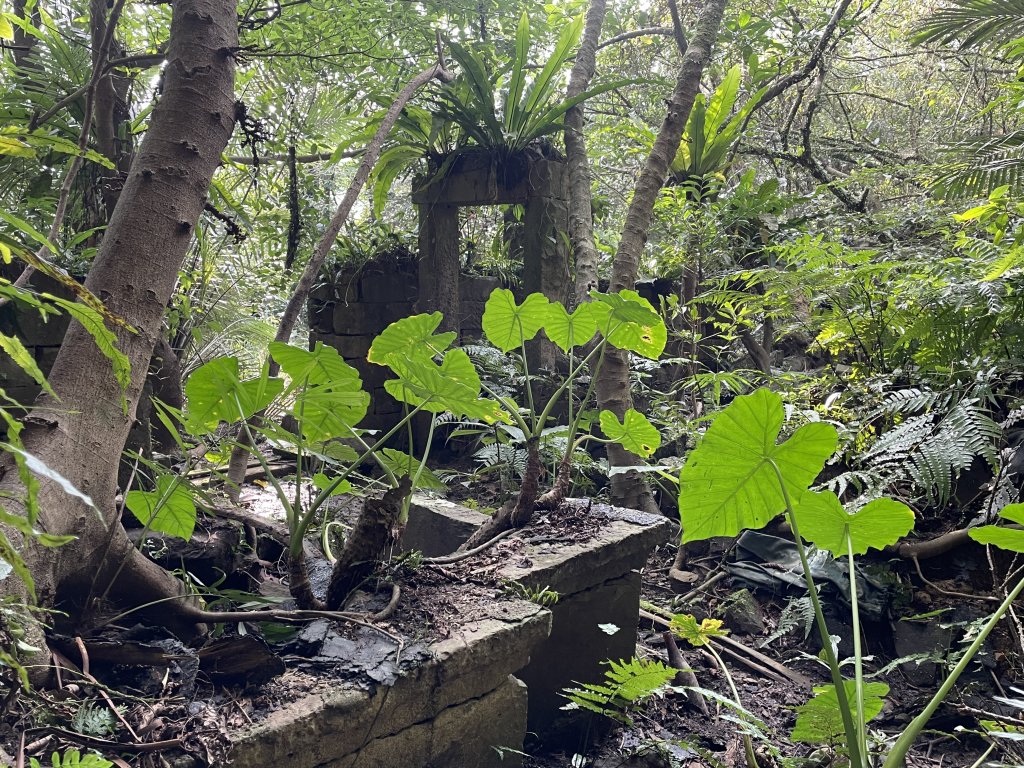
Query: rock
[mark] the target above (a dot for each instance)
(682, 581)
(743, 614)
(917, 637)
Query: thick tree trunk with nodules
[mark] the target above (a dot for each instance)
(613, 386)
(134, 273)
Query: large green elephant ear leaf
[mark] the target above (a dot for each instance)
(452, 386)
(215, 393)
(878, 524)
(573, 330)
(508, 325)
(329, 401)
(631, 323)
(326, 412)
(1011, 539)
(408, 338)
(320, 365)
(634, 433)
(169, 509)
(729, 482)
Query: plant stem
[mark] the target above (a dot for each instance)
(897, 756)
(856, 759)
(748, 744)
(403, 516)
(858, 657)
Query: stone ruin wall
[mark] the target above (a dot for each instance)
(360, 303)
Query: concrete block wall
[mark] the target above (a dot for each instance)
(41, 336)
(350, 311)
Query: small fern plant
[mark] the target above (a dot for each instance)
(626, 685)
(937, 436)
(74, 759)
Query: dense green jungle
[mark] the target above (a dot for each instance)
(436, 383)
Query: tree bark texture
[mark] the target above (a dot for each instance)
(134, 272)
(581, 223)
(613, 386)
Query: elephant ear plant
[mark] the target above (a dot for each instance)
(740, 477)
(623, 320)
(324, 397)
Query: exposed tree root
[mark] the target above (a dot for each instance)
(514, 514)
(553, 498)
(374, 531)
(299, 586)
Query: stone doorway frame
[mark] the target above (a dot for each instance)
(475, 177)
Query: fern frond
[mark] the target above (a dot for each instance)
(974, 167)
(904, 401)
(798, 613)
(626, 683)
(931, 449)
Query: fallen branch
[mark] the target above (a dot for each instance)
(459, 556)
(745, 655)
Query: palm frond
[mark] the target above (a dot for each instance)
(974, 23)
(977, 166)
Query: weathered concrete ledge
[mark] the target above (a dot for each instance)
(595, 617)
(458, 708)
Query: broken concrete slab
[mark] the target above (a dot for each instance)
(459, 705)
(438, 526)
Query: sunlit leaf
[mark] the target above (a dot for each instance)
(632, 323)
(635, 433)
(878, 524)
(573, 330)
(729, 482)
(320, 365)
(410, 337)
(819, 720)
(507, 324)
(697, 634)
(1011, 539)
(216, 394)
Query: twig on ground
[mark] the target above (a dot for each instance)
(449, 559)
(948, 592)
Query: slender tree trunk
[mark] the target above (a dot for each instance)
(134, 272)
(24, 43)
(581, 223)
(300, 294)
(613, 388)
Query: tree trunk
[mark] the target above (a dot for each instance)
(134, 272)
(581, 223)
(110, 111)
(613, 387)
(300, 294)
